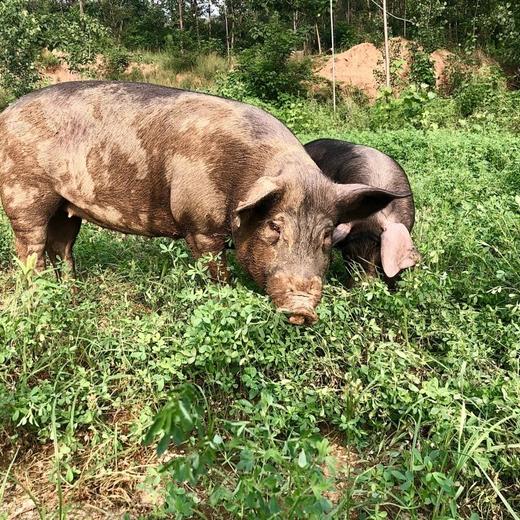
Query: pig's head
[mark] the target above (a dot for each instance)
(283, 229)
(377, 244)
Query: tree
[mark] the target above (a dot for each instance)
(19, 47)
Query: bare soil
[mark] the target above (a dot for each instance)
(362, 66)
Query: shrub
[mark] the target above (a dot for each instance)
(181, 51)
(20, 33)
(347, 35)
(267, 69)
(208, 66)
(48, 61)
(115, 62)
(421, 70)
(5, 98)
(80, 37)
(480, 91)
(408, 108)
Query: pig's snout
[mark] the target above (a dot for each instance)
(296, 296)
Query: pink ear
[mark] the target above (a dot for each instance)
(340, 232)
(397, 249)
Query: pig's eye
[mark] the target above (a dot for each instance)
(273, 226)
(274, 232)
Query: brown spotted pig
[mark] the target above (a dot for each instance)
(381, 241)
(157, 161)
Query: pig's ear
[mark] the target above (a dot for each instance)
(397, 249)
(357, 201)
(264, 189)
(340, 232)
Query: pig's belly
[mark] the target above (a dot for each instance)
(158, 222)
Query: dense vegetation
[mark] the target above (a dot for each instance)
(395, 405)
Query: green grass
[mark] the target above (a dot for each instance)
(189, 71)
(421, 387)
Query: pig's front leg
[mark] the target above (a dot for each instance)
(201, 245)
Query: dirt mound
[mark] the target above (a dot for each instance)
(440, 59)
(56, 69)
(362, 66)
(356, 68)
(59, 74)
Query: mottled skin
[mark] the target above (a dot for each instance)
(383, 234)
(156, 161)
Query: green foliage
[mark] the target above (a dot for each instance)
(267, 69)
(20, 33)
(479, 91)
(4, 98)
(428, 16)
(48, 61)
(421, 70)
(145, 24)
(80, 37)
(259, 475)
(408, 108)
(346, 35)
(210, 65)
(181, 48)
(116, 60)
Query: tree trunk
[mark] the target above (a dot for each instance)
(81, 9)
(181, 14)
(228, 46)
(387, 55)
(232, 37)
(333, 57)
(195, 15)
(318, 39)
(209, 18)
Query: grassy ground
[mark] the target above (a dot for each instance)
(190, 71)
(416, 393)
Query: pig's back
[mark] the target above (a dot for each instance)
(133, 148)
(134, 116)
(349, 163)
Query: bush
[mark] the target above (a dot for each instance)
(347, 35)
(115, 62)
(267, 68)
(181, 51)
(80, 37)
(210, 65)
(421, 70)
(20, 33)
(48, 60)
(5, 98)
(407, 109)
(478, 91)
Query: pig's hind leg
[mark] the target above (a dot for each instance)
(201, 245)
(61, 236)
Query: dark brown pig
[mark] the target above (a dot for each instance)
(157, 161)
(382, 240)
